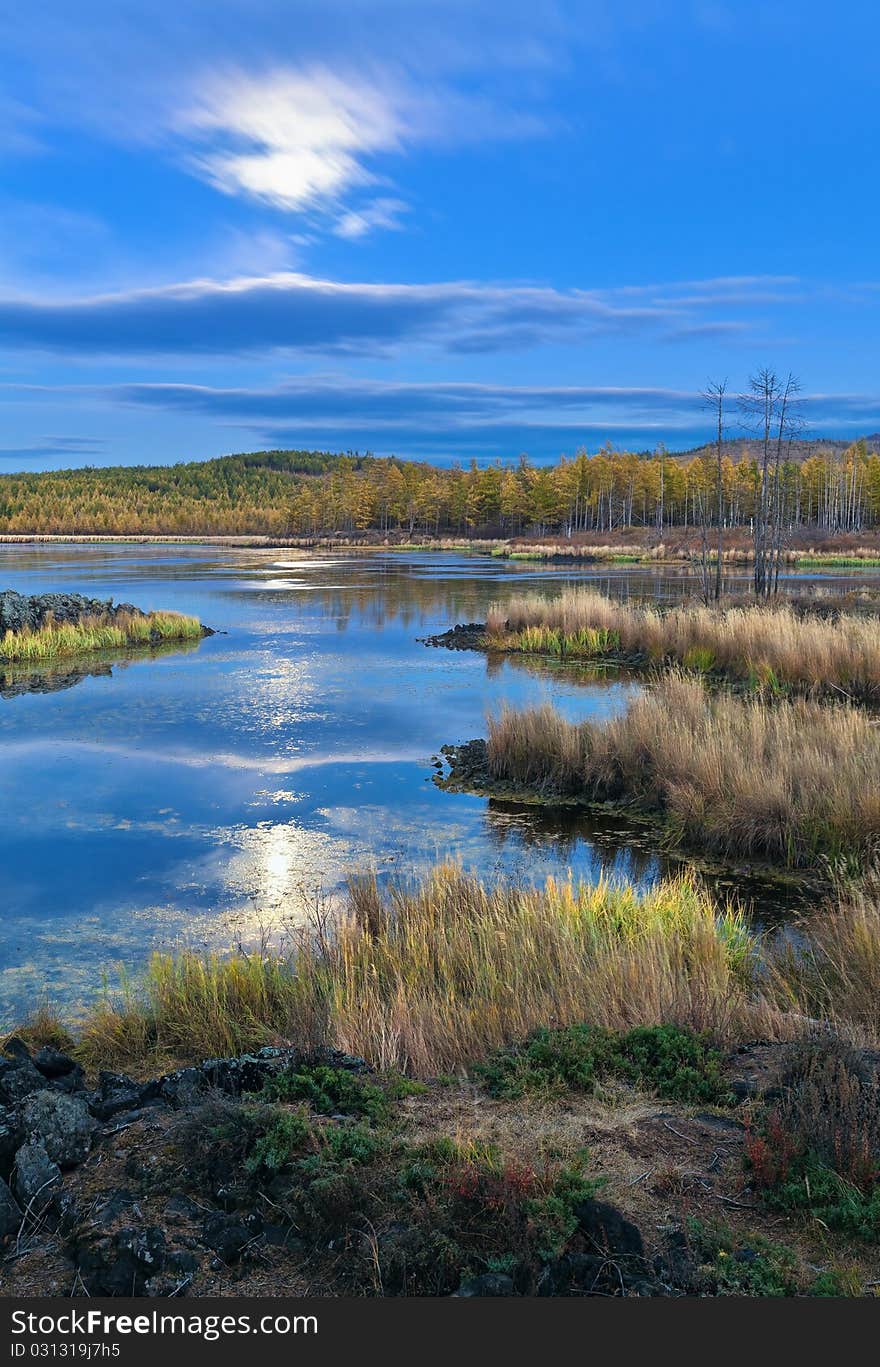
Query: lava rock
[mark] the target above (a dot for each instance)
(121, 1264)
(35, 1177)
(228, 1235)
(609, 1230)
(19, 611)
(59, 1068)
(10, 1211)
(11, 1139)
(18, 1078)
(186, 1087)
(117, 1093)
(61, 1123)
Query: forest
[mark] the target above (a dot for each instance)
(289, 493)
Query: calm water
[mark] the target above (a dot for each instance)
(208, 796)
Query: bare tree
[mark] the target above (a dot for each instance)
(769, 406)
(713, 397)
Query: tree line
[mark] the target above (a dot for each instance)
(282, 493)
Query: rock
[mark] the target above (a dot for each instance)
(18, 1078)
(489, 1284)
(35, 1177)
(609, 1230)
(10, 1140)
(186, 1087)
(61, 1123)
(109, 1207)
(228, 1235)
(16, 1048)
(179, 1209)
(10, 1211)
(117, 1093)
(19, 611)
(59, 1068)
(121, 1264)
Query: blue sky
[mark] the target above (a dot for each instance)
(456, 229)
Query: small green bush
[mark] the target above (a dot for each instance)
(334, 1091)
(676, 1063)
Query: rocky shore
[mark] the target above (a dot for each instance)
(114, 1186)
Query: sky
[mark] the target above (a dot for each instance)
(445, 229)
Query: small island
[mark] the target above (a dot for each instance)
(50, 626)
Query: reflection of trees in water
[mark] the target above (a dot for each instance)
(620, 849)
(611, 847)
(56, 675)
(392, 593)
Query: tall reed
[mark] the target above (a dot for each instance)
(794, 783)
(764, 645)
(427, 979)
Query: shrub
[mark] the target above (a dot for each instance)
(818, 1149)
(330, 1091)
(677, 1063)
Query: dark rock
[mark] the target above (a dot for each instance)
(181, 1208)
(609, 1230)
(35, 1178)
(16, 1048)
(464, 636)
(489, 1284)
(10, 1211)
(180, 1260)
(59, 1068)
(121, 1264)
(62, 1124)
(110, 1207)
(19, 611)
(186, 1087)
(115, 1094)
(10, 1140)
(18, 1078)
(228, 1235)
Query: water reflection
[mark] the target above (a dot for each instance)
(210, 794)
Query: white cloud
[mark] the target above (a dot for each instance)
(292, 139)
(380, 213)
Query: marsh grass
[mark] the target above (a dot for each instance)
(54, 640)
(431, 978)
(798, 783)
(757, 645)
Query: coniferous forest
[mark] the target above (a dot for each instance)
(290, 493)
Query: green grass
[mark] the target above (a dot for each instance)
(674, 1062)
(60, 640)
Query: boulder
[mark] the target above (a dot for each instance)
(35, 1177)
(122, 1264)
(228, 1235)
(61, 1123)
(18, 1078)
(609, 1231)
(59, 1068)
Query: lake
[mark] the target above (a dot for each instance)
(215, 795)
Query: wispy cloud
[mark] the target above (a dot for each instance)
(379, 213)
(291, 139)
(298, 312)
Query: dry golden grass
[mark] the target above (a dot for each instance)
(766, 646)
(833, 975)
(795, 783)
(57, 639)
(429, 979)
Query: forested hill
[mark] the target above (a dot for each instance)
(278, 493)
